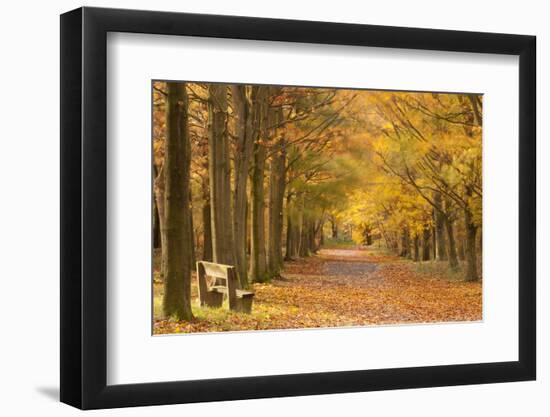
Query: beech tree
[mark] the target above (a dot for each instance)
(176, 225)
(246, 110)
(219, 174)
(258, 265)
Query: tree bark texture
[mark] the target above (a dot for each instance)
(405, 243)
(277, 184)
(244, 108)
(158, 188)
(416, 248)
(220, 174)
(470, 246)
(156, 226)
(453, 258)
(426, 243)
(258, 271)
(206, 222)
(177, 279)
(292, 231)
(193, 253)
(440, 229)
(304, 237)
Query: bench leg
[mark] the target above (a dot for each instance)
(213, 299)
(244, 305)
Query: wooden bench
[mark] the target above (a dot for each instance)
(223, 282)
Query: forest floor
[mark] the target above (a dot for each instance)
(341, 287)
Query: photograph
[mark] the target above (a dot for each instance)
(279, 207)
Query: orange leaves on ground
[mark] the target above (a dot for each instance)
(344, 288)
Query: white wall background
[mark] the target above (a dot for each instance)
(29, 226)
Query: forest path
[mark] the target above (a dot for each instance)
(349, 262)
(348, 286)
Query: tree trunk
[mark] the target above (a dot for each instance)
(219, 172)
(318, 233)
(289, 236)
(416, 246)
(177, 160)
(405, 243)
(277, 184)
(257, 243)
(156, 226)
(461, 248)
(289, 232)
(297, 234)
(244, 107)
(440, 229)
(426, 243)
(192, 253)
(206, 222)
(298, 221)
(471, 255)
(434, 243)
(453, 259)
(312, 237)
(334, 224)
(304, 237)
(207, 233)
(292, 231)
(480, 248)
(158, 187)
(368, 237)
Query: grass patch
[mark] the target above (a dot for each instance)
(376, 250)
(217, 316)
(439, 269)
(331, 243)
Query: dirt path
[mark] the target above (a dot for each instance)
(346, 262)
(345, 287)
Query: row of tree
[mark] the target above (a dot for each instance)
(253, 175)
(229, 160)
(424, 196)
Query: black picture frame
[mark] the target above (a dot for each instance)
(84, 207)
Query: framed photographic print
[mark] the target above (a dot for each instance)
(257, 208)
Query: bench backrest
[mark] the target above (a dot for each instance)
(218, 271)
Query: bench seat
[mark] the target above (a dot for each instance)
(240, 293)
